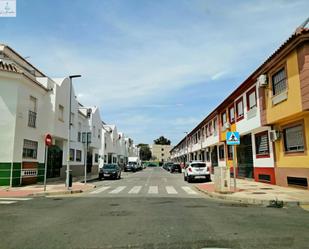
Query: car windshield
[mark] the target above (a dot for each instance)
(132, 163)
(109, 166)
(198, 165)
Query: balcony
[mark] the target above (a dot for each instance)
(32, 119)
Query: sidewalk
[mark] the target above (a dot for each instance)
(52, 188)
(252, 192)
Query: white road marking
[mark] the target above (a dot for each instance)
(100, 190)
(171, 190)
(153, 190)
(14, 199)
(7, 202)
(117, 190)
(189, 190)
(135, 190)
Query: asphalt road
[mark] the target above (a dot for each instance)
(137, 215)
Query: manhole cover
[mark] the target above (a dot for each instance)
(258, 193)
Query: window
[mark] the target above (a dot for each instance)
(32, 112)
(210, 128)
(162, 154)
(79, 132)
(232, 114)
(215, 126)
(207, 130)
(61, 113)
(294, 139)
(279, 82)
(261, 144)
(30, 149)
(251, 99)
(239, 109)
(93, 129)
(78, 155)
(96, 157)
(221, 152)
(223, 118)
(72, 118)
(230, 152)
(105, 158)
(72, 154)
(162, 149)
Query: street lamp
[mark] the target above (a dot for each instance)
(69, 131)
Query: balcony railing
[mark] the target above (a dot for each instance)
(32, 119)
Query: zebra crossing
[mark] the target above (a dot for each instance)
(12, 200)
(149, 190)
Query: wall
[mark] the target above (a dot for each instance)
(8, 108)
(293, 103)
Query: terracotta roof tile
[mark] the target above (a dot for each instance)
(8, 67)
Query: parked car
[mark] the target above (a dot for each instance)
(152, 165)
(175, 168)
(111, 170)
(130, 167)
(196, 170)
(167, 166)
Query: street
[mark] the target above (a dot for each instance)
(148, 209)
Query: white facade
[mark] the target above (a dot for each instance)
(33, 105)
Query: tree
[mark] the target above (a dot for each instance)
(162, 141)
(144, 152)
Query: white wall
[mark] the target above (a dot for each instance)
(8, 106)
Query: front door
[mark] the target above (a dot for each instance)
(245, 157)
(54, 161)
(89, 162)
(214, 157)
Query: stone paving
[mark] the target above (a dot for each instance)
(259, 193)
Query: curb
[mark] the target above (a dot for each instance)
(66, 192)
(252, 201)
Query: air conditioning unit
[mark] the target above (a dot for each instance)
(262, 81)
(274, 135)
(226, 126)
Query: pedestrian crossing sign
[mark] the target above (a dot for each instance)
(232, 138)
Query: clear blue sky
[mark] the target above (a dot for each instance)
(153, 67)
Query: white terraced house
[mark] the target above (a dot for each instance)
(33, 105)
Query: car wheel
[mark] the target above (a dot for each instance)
(208, 178)
(185, 178)
(189, 179)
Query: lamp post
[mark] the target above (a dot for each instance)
(69, 131)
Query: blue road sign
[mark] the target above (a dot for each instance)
(232, 138)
